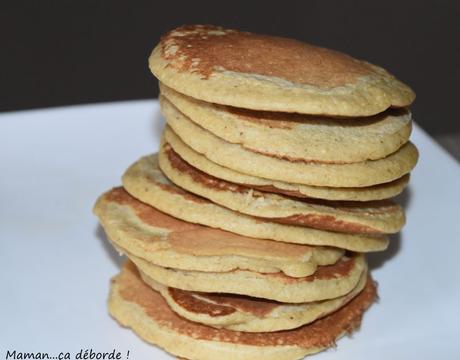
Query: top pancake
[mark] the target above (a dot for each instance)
(261, 72)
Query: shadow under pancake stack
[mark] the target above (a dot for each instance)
(246, 232)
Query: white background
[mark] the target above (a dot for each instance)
(56, 263)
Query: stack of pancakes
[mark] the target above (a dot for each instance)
(246, 233)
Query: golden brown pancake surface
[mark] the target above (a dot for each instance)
(263, 72)
(375, 217)
(144, 231)
(136, 305)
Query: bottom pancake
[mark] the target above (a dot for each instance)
(249, 314)
(136, 305)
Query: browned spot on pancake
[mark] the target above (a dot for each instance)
(320, 333)
(330, 222)
(191, 303)
(201, 240)
(255, 306)
(274, 189)
(210, 181)
(326, 222)
(207, 241)
(374, 207)
(197, 49)
(197, 175)
(119, 196)
(221, 304)
(147, 213)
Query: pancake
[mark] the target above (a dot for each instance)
(366, 173)
(299, 137)
(260, 72)
(378, 217)
(243, 313)
(376, 192)
(327, 282)
(132, 303)
(145, 181)
(166, 241)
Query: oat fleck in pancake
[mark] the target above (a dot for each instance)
(262, 72)
(296, 136)
(136, 305)
(145, 181)
(166, 241)
(249, 314)
(361, 217)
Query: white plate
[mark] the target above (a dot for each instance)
(56, 264)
